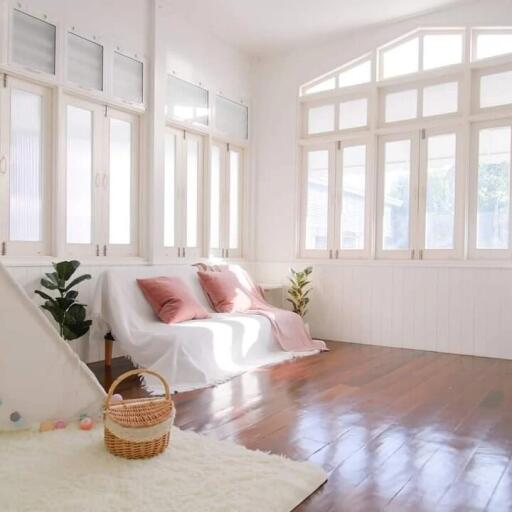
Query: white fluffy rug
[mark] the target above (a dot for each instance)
(70, 471)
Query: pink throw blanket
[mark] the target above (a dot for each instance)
(287, 327)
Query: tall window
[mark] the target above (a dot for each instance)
(394, 152)
(336, 206)
(225, 200)
(24, 169)
(101, 180)
(183, 193)
(491, 200)
(420, 195)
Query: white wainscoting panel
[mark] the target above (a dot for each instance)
(456, 309)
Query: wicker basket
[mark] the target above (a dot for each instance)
(138, 428)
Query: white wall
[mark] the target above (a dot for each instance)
(451, 308)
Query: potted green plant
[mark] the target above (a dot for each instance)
(298, 291)
(65, 309)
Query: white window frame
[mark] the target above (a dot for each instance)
(420, 86)
(180, 249)
(18, 248)
(352, 97)
(94, 249)
(420, 34)
(475, 96)
(93, 39)
(100, 246)
(132, 249)
(458, 224)
(474, 252)
(365, 252)
(26, 70)
(408, 253)
(463, 122)
(329, 251)
(225, 152)
(476, 31)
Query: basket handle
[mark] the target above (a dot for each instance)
(137, 371)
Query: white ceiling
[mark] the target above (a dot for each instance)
(262, 27)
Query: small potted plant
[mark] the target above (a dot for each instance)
(65, 309)
(299, 290)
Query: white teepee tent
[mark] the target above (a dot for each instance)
(41, 378)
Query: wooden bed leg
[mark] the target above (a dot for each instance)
(109, 343)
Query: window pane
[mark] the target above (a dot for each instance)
(79, 175)
(321, 119)
(401, 106)
(186, 101)
(120, 182)
(496, 89)
(234, 193)
(353, 113)
(192, 191)
(169, 189)
(397, 175)
(402, 59)
(215, 177)
(325, 85)
(317, 199)
(33, 42)
(128, 78)
(353, 197)
(26, 171)
(85, 62)
(440, 99)
(440, 204)
(493, 188)
(231, 118)
(491, 45)
(360, 74)
(442, 50)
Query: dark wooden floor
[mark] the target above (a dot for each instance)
(395, 429)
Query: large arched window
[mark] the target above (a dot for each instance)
(406, 151)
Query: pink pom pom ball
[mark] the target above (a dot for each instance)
(60, 424)
(117, 397)
(86, 424)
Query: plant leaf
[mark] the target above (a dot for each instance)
(44, 295)
(77, 281)
(65, 269)
(48, 284)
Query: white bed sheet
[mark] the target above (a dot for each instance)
(190, 355)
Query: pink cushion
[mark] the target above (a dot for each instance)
(227, 292)
(171, 299)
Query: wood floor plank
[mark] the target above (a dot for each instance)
(396, 430)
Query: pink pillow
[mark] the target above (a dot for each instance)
(226, 293)
(171, 299)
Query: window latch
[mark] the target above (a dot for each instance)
(179, 252)
(4, 248)
(104, 250)
(183, 251)
(97, 250)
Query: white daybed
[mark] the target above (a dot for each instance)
(190, 355)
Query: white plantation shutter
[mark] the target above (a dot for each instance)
(231, 118)
(33, 42)
(186, 101)
(128, 78)
(84, 62)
